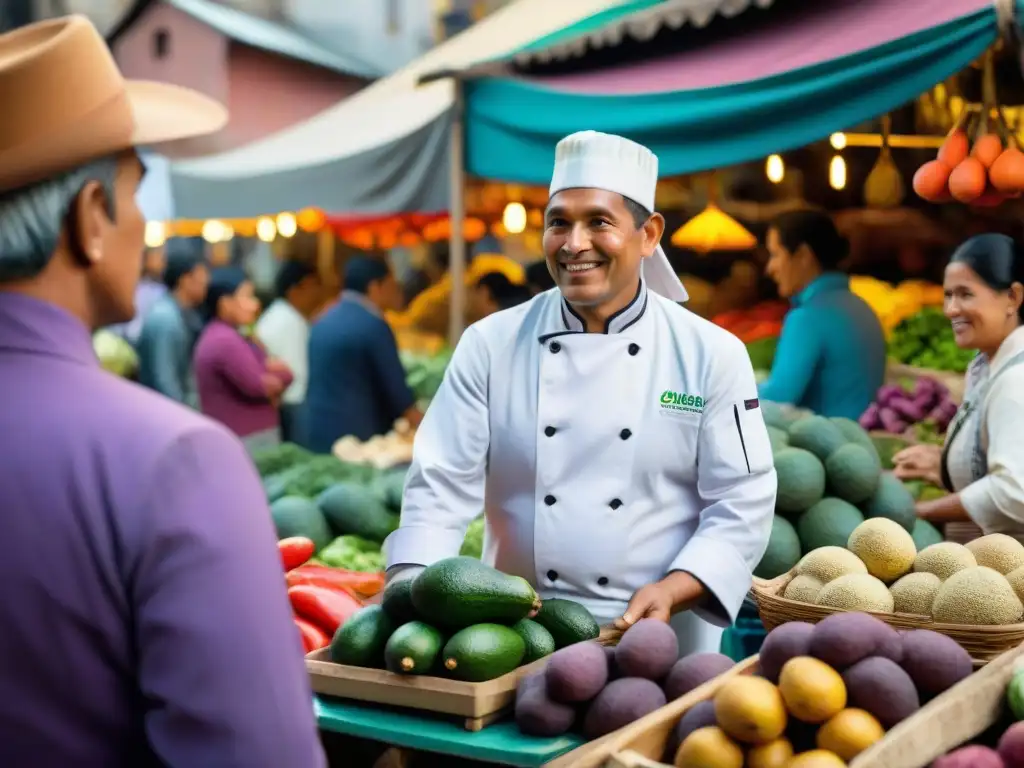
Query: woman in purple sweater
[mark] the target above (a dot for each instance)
(238, 384)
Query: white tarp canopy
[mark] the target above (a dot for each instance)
(383, 150)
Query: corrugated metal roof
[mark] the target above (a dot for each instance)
(258, 33)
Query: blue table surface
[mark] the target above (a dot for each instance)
(500, 743)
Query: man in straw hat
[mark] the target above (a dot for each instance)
(145, 620)
(614, 439)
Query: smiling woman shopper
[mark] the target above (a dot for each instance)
(982, 463)
(238, 384)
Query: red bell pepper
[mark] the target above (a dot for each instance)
(295, 550)
(313, 638)
(362, 584)
(326, 608)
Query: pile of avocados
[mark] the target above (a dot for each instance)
(461, 619)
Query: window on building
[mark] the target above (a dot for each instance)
(394, 16)
(161, 44)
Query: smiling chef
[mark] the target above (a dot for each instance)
(613, 438)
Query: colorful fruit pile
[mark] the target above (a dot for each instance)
(758, 322)
(925, 340)
(825, 693)
(322, 598)
(984, 174)
(830, 479)
(881, 570)
(600, 689)
(1002, 745)
(897, 408)
(895, 303)
(461, 619)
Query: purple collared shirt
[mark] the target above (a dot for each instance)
(144, 619)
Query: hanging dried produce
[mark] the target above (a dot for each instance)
(884, 186)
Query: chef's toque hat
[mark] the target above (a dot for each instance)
(593, 160)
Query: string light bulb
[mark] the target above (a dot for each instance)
(156, 234)
(838, 141)
(287, 225)
(775, 169)
(514, 218)
(214, 231)
(266, 229)
(837, 173)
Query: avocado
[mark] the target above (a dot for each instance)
(567, 621)
(397, 600)
(412, 649)
(483, 652)
(539, 642)
(360, 641)
(461, 591)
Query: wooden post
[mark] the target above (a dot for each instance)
(457, 218)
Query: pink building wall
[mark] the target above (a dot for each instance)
(264, 92)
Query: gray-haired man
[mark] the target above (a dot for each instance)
(144, 619)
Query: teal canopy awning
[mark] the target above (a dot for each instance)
(889, 53)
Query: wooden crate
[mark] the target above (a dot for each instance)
(948, 721)
(478, 704)
(648, 737)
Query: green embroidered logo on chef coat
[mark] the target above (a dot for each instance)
(680, 402)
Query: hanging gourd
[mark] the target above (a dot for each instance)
(981, 173)
(883, 187)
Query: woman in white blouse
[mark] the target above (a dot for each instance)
(982, 462)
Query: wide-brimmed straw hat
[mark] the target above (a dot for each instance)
(64, 102)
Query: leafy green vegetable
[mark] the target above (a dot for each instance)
(271, 461)
(313, 476)
(353, 553)
(762, 353)
(925, 340)
(424, 373)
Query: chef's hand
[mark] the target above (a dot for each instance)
(676, 592)
(919, 462)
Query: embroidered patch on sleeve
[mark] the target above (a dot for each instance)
(751, 404)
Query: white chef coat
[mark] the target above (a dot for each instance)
(604, 461)
(285, 333)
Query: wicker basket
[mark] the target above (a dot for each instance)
(948, 721)
(983, 643)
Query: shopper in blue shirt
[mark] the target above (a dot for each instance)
(356, 380)
(831, 353)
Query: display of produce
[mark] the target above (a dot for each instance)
(825, 693)
(423, 373)
(926, 407)
(885, 569)
(381, 451)
(597, 690)
(895, 303)
(346, 509)
(461, 619)
(830, 480)
(925, 340)
(321, 598)
(762, 321)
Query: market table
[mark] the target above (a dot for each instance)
(500, 743)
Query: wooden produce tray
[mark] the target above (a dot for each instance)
(647, 739)
(948, 721)
(478, 704)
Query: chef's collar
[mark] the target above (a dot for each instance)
(617, 323)
(34, 326)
